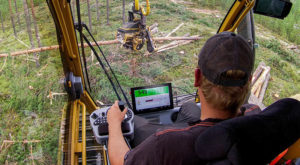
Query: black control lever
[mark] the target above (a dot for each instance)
(121, 105)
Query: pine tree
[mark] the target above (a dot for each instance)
(35, 25)
(28, 23)
(12, 18)
(107, 12)
(98, 12)
(18, 17)
(123, 12)
(73, 9)
(2, 22)
(89, 14)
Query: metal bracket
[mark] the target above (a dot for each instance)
(73, 86)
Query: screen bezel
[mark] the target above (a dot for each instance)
(171, 106)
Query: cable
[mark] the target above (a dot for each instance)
(180, 98)
(79, 28)
(184, 91)
(81, 42)
(123, 93)
(186, 95)
(101, 64)
(183, 100)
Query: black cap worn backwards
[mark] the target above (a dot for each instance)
(223, 52)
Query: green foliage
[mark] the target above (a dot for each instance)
(26, 101)
(5, 9)
(275, 46)
(215, 4)
(289, 27)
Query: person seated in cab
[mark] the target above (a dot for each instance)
(223, 77)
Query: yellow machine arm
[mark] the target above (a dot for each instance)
(69, 49)
(236, 14)
(138, 7)
(76, 109)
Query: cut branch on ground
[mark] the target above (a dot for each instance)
(259, 82)
(109, 42)
(174, 30)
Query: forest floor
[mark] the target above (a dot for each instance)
(27, 113)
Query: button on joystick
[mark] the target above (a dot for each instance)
(94, 116)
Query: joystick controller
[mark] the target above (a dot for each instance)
(98, 120)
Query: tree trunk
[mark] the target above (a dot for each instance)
(89, 14)
(2, 22)
(12, 18)
(18, 17)
(107, 12)
(97, 8)
(35, 25)
(73, 5)
(28, 23)
(123, 12)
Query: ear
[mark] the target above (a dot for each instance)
(198, 76)
(250, 78)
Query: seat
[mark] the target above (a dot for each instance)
(255, 139)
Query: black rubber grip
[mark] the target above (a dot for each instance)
(121, 105)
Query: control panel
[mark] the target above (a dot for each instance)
(98, 120)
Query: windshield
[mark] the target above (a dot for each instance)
(175, 60)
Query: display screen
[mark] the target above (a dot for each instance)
(151, 98)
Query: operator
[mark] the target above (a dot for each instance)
(222, 77)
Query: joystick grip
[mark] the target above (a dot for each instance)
(98, 120)
(121, 105)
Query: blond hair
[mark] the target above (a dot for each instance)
(225, 98)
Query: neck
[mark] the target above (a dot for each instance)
(208, 111)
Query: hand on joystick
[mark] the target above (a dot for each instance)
(114, 115)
